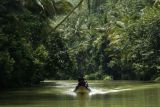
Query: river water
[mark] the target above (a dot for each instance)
(103, 94)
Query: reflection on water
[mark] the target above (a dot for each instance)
(103, 94)
(83, 100)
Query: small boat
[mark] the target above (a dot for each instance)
(82, 90)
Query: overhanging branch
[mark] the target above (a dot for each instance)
(68, 15)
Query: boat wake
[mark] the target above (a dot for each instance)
(96, 91)
(105, 91)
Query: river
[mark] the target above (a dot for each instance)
(104, 94)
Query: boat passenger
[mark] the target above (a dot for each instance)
(82, 82)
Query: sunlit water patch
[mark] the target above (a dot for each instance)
(67, 88)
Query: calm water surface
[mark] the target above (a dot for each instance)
(104, 94)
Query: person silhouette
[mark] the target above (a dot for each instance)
(82, 82)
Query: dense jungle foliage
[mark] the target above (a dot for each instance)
(60, 39)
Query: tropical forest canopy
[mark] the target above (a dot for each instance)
(64, 39)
